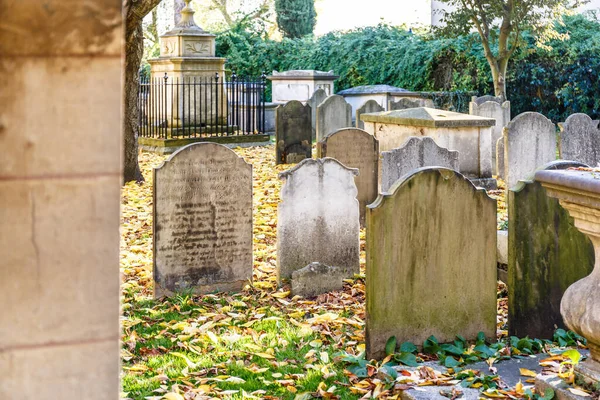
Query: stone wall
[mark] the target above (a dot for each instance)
(60, 176)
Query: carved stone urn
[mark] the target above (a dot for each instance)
(579, 193)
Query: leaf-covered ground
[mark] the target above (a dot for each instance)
(260, 343)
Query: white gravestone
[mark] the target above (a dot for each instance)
(333, 114)
(318, 217)
(529, 143)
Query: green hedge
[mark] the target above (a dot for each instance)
(555, 82)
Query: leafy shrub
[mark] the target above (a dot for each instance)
(555, 82)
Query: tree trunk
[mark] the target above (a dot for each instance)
(499, 68)
(134, 50)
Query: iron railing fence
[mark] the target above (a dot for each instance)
(196, 107)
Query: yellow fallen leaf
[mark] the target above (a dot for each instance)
(265, 355)
(527, 372)
(173, 396)
(281, 295)
(579, 392)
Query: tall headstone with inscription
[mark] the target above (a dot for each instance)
(416, 152)
(529, 143)
(580, 140)
(318, 218)
(293, 133)
(355, 148)
(315, 100)
(419, 243)
(202, 221)
(333, 114)
(546, 255)
(371, 106)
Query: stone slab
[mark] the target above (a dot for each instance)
(316, 279)
(546, 255)
(580, 140)
(202, 221)
(502, 247)
(419, 243)
(356, 148)
(416, 152)
(293, 133)
(318, 218)
(529, 143)
(500, 167)
(333, 113)
(428, 117)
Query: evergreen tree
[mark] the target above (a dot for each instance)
(296, 18)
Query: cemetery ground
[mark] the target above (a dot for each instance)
(264, 343)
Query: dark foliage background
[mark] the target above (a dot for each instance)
(555, 81)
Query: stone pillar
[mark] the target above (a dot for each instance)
(60, 174)
(192, 95)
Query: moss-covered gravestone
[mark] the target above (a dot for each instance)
(546, 254)
(431, 261)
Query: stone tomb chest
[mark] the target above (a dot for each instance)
(470, 135)
(300, 84)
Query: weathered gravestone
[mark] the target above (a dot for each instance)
(370, 106)
(484, 99)
(202, 221)
(500, 158)
(318, 218)
(431, 263)
(416, 152)
(529, 142)
(546, 255)
(355, 148)
(332, 114)
(580, 140)
(498, 111)
(293, 133)
(405, 103)
(316, 99)
(316, 279)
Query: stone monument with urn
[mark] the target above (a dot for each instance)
(187, 55)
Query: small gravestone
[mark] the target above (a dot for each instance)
(293, 133)
(500, 158)
(546, 255)
(356, 148)
(416, 152)
(403, 104)
(484, 99)
(316, 279)
(202, 221)
(431, 261)
(529, 142)
(318, 218)
(317, 98)
(333, 113)
(495, 110)
(580, 140)
(370, 106)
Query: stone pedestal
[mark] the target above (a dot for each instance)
(579, 193)
(301, 84)
(470, 135)
(193, 75)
